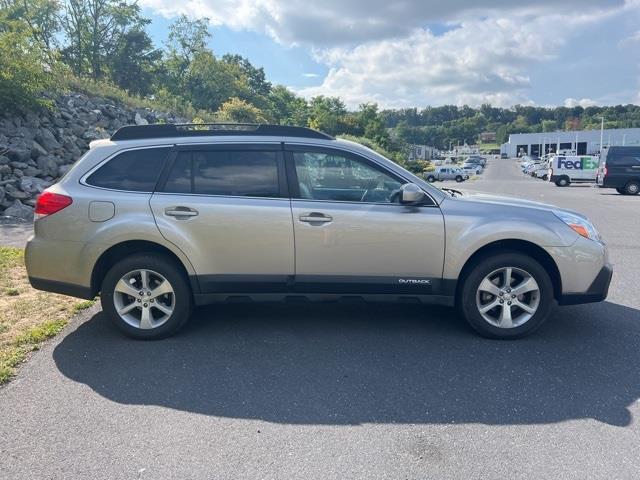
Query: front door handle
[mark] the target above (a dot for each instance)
(316, 218)
(179, 212)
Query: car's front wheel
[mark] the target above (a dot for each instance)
(506, 296)
(146, 296)
(431, 179)
(459, 179)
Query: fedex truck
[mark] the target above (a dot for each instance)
(567, 169)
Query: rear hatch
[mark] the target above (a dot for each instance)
(602, 167)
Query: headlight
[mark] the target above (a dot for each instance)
(580, 225)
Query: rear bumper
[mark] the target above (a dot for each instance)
(61, 287)
(597, 291)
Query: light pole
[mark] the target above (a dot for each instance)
(601, 133)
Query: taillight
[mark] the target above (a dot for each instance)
(604, 171)
(49, 203)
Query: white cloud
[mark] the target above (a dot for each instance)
(310, 75)
(339, 22)
(583, 102)
(380, 51)
(482, 61)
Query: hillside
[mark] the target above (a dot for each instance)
(37, 148)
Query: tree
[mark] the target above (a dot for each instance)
(256, 78)
(41, 22)
(236, 110)
(287, 108)
(133, 64)
(208, 82)
(187, 39)
(23, 73)
(327, 114)
(94, 29)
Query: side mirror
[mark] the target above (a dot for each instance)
(411, 194)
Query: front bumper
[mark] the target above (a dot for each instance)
(597, 291)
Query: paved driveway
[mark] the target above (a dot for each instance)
(345, 391)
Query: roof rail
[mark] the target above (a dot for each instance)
(162, 130)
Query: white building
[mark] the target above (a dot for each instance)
(585, 142)
(422, 152)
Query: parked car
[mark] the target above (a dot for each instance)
(160, 218)
(448, 173)
(620, 169)
(530, 167)
(565, 170)
(476, 159)
(541, 171)
(504, 155)
(472, 168)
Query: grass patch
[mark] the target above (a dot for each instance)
(27, 316)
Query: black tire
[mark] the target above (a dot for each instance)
(632, 188)
(459, 179)
(163, 265)
(563, 182)
(431, 179)
(469, 310)
(620, 190)
(545, 178)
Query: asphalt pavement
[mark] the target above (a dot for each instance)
(322, 391)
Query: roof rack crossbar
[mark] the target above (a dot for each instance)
(162, 130)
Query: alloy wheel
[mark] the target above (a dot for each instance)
(144, 299)
(508, 297)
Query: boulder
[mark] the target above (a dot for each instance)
(48, 165)
(20, 211)
(13, 192)
(18, 152)
(37, 150)
(32, 185)
(47, 140)
(19, 165)
(140, 120)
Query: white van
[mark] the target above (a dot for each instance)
(564, 169)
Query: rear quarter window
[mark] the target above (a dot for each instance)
(133, 170)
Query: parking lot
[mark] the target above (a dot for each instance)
(347, 391)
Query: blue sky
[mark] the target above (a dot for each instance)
(403, 53)
(286, 65)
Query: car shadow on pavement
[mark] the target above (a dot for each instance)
(352, 364)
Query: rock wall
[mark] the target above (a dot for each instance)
(38, 148)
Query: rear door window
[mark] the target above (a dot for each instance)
(133, 170)
(229, 173)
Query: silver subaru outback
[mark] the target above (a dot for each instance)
(160, 218)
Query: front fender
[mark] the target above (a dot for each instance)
(470, 226)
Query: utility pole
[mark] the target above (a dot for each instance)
(601, 133)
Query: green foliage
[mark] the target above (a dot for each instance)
(24, 70)
(133, 64)
(236, 110)
(94, 30)
(101, 47)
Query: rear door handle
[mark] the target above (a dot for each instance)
(315, 217)
(180, 212)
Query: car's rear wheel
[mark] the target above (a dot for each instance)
(506, 296)
(632, 188)
(146, 296)
(431, 179)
